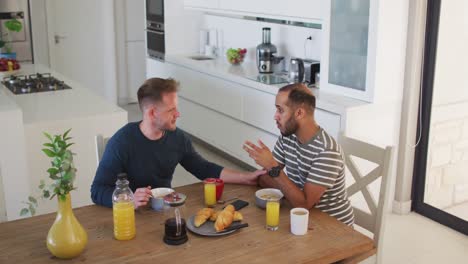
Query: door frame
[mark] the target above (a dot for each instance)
(421, 155)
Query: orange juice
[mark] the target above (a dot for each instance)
(210, 194)
(272, 215)
(124, 220)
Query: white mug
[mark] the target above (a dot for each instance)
(299, 221)
(157, 201)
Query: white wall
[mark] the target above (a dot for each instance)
(241, 33)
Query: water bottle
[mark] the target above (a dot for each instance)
(123, 209)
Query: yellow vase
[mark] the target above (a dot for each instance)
(66, 238)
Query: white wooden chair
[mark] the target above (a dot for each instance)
(372, 219)
(101, 143)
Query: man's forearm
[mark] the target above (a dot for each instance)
(266, 181)
(231, 176)
(305, 198)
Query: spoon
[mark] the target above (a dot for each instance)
(224, 201)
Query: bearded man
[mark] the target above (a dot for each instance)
(307, 164)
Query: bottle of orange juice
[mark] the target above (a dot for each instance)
(123, 209)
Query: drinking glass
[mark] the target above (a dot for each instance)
(272, 214)
(210, 194)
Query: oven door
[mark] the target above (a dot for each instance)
(155, 11)
(155, 43)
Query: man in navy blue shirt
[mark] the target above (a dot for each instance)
(149, 150)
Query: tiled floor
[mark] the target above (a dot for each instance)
(408, 239)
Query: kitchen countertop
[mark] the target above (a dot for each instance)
(77, 102)
(243, 74)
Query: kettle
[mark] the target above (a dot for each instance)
(296, 70)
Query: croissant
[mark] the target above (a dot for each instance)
(230, 208)
(214, 215)
(202, 216)
(224, 219)
(237, 216)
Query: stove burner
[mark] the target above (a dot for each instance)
(34, 83)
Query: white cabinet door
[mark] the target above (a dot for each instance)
(135, 67)
(308, 9)
(328, 121)
(259, 110)
(215, 93)
(135, 20)
(223, 132)
(348, 48)
(155, 68)
(202, 3)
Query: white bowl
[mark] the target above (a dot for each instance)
(263, 195)
(157, 201)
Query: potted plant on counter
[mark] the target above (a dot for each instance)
(12, 25)
(66, 237)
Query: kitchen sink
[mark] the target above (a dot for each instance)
(201, 57)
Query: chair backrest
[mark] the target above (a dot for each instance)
(381, 159)
(101, 143)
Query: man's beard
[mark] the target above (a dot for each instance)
(290, 127)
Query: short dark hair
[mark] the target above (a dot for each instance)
(153, 89)
(299, 95)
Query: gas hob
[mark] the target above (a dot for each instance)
(33, 83)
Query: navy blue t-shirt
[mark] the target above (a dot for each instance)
(147, 162)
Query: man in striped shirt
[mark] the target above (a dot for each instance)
(307, 164)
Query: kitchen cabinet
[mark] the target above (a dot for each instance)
(300, 10)
(214, 93)
(306, 9)
(135, 69)
(348, 50)
(155, 68)
(210, 4)
(225, 133)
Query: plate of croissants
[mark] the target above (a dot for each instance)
(210, 222)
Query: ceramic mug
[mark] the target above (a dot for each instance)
(299, 221)
(157, 201)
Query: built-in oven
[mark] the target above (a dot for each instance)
(155, 35)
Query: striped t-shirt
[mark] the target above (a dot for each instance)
(319, 161)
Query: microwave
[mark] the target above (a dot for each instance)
(155, 11)
(155, 33)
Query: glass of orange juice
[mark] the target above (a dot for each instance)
(210, 193)
(272, 214)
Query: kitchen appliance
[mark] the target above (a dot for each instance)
(268, 79)
(155, 35)
(20, 41)
(311, 68)
(265, 53)
(296, 70)
(33, 83)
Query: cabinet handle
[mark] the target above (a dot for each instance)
(154, 31)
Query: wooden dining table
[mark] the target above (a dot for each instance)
(327, 240)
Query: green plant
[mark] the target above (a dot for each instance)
(62, 172)
(13, 25)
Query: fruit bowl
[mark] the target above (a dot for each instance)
(8, 64)
(236, 56)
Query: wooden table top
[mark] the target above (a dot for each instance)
(329, 241)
